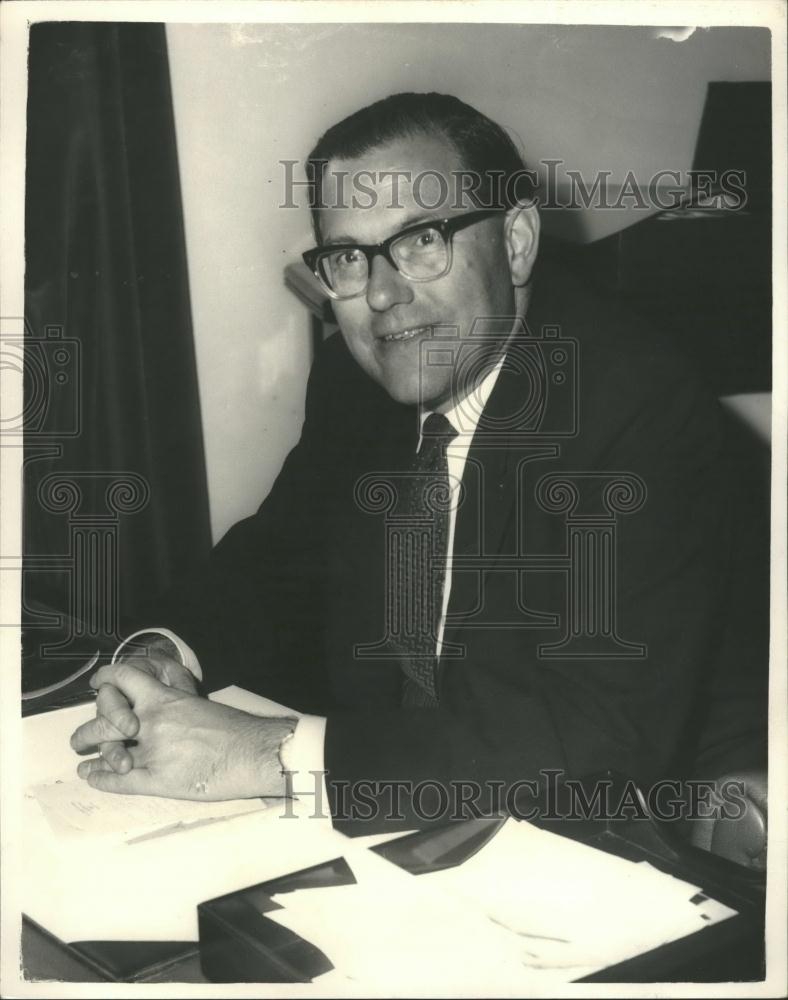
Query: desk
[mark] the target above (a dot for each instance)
(44, 957)
(732, 950)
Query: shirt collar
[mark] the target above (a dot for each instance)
(464, 416)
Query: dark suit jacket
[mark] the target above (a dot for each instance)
(291, 592)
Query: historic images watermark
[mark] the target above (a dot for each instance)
(550, 796)
(554, 186)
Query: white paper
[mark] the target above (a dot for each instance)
(529, 908)
(392, 930)
(255, 704)
(72, 808)
(573, 904)
(101, 888)
(529, 911)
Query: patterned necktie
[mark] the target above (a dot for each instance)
(426, 507)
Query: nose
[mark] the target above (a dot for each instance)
(386, 286)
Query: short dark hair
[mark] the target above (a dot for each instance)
(483, 146)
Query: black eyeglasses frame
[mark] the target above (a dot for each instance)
(447, 227)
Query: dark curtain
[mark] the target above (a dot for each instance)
(115, 491)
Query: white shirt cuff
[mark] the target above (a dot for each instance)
(303, 756)
(187, 655)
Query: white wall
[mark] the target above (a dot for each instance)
(247, 96)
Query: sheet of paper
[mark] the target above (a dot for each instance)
(573, 904)
(393, 933)
(150, 890)
(46, 753)
(248, 701)
(84, 887)
(530, 911)
(72, 808)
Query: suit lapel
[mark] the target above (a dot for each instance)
(507, 436)
(507, 432)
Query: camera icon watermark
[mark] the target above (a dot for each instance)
(50, 365)
(544, 366)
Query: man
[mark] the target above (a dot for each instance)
(561, 606)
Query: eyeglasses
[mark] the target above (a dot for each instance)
(420, 253)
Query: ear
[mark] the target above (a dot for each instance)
(521, 233)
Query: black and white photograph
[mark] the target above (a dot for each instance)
(393, 590)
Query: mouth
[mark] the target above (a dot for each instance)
(410, 334)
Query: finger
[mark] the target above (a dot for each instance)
(86, 767)
(111, 704)
(90, 734)
(136, 782)
(177, 676)
(143, 663)
(170, 672)
(110, 760)
(117, 757)
(128, 679)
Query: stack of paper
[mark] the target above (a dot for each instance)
(531, 909)
(394, 932)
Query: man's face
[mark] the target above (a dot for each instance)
(385, 326)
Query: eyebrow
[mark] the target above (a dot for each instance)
(412, 220)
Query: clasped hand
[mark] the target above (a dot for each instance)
(163, 739)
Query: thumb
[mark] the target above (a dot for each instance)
(135, 684)
(135, 782)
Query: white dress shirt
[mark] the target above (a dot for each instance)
(464, 418)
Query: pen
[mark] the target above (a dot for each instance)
(178, 826)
